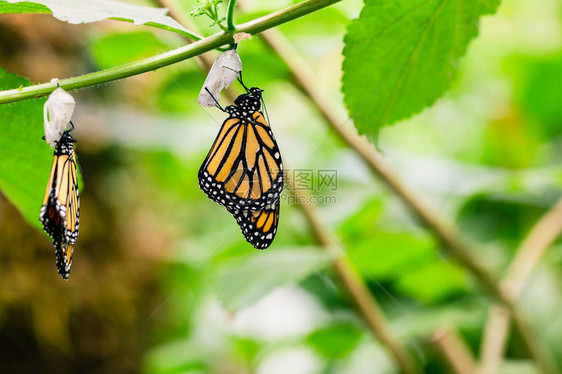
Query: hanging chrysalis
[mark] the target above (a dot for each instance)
(60, 212)
(225, 70)
(243, 170)
(57, 113)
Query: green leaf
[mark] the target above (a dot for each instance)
(389, 255)
(324, 288)
(401, 56)
(406, 260)
(465, 314)
(509, 215)
(328, 21)
(244, 281)
(26, 158)
(411, 263)
(247, 349)
(182, 356)
(205, 7)
(255, 57)
(175, 88)
(538, 83)
(364, 221)
(119, 48)
(335, 341)
(24, 7)
(435, 282)
(93, 11)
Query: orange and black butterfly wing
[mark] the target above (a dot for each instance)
(259, 228)
(220, 159)
(49, 216)
(243, 170)
(70, 200)
(266, 166)
(61, 205)
(63, 253)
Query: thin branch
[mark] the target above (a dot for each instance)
(230, 15)
(493, 342)
(363, 299)
(445, 230)
(168, 58)
(539, 239)
(454, 351)
(533, 247)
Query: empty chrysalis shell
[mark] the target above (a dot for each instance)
(225, 70)
(57, 113)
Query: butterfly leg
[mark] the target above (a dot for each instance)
(217, 103)
(241, 82)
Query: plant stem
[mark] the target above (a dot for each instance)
(493, 341)
(444, 230)
(168, 58)
(531, 250)
(454, 350)
(527, 256)
(230, 15)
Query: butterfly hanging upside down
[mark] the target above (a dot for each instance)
(243, 170)
(60, 212)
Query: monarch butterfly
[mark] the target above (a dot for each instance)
(243, 170)
(259, 228)
(60, 212)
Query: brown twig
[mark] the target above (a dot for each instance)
(533, 247)
(364, 301)
(493, 343)
(539, 239)
(444, 230)
(454, 351)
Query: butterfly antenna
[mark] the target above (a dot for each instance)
(265, 110)
(216, 101)
(79, 167)
(75, 156)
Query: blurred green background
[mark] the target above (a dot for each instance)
(162, 280)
